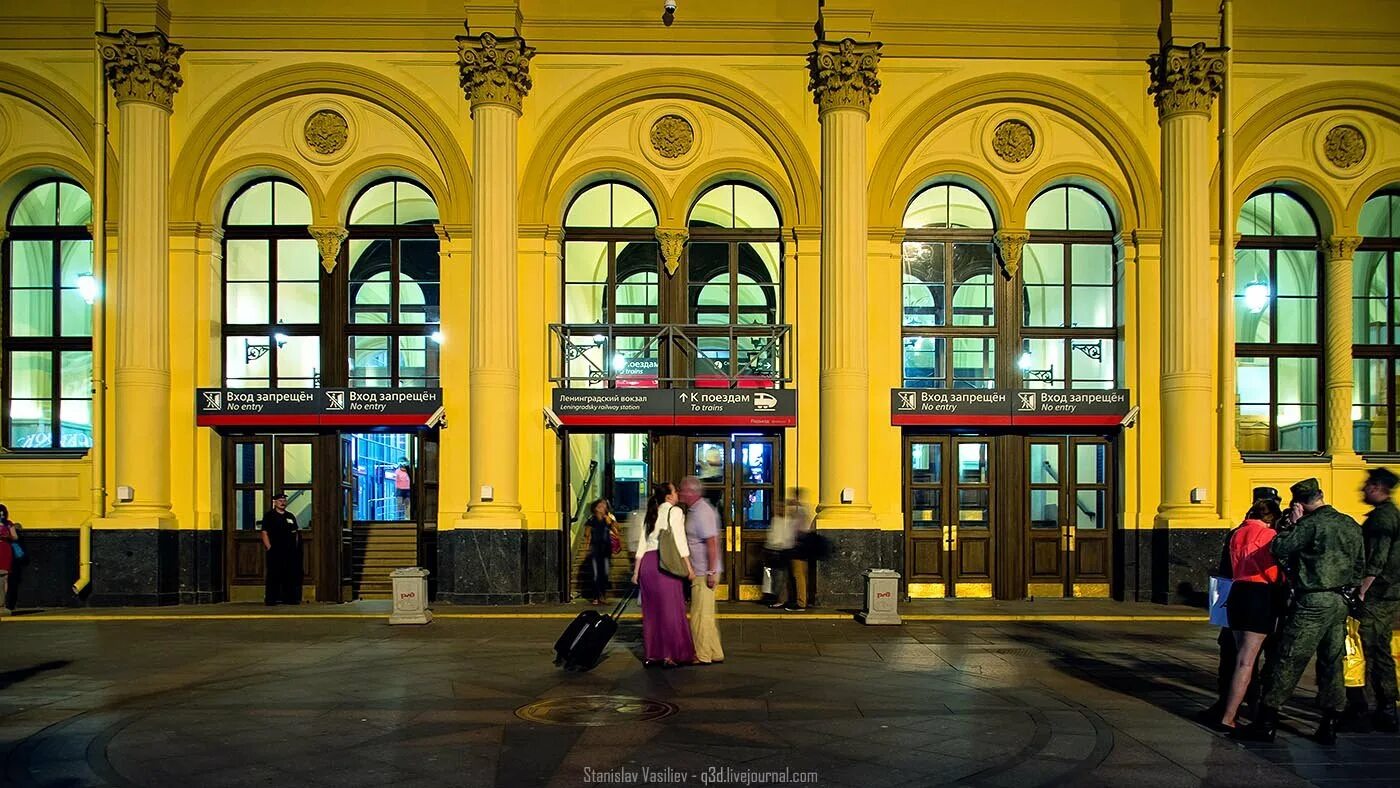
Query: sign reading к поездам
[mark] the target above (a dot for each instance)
(1008, 407)
(368, 407)
(676, 407)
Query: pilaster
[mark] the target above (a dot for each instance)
(844, 80)
(1339, 251)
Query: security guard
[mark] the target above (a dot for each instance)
(1322, 554)
(281, 539)
(1380, 594)
(1225, 672)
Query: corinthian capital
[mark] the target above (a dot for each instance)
(1340, 247)
(494, 71)
(1009, 245)
(1186, 79)
(844, 74)
(141, 66)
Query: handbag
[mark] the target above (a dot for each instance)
(16, 550)
(669, 558)
(767, 581)
(1219, 592)
(614, 540)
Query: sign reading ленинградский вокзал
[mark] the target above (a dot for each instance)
(367, 407)
(1009, 407)
(676, 407)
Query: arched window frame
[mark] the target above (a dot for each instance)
(737, 247)
(69, 368)
(271, 338)
(631, 252)
(1287, 350)
(1084, 346)
(1376, 344)
(395, 338)
(949, 338)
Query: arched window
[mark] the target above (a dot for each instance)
(1069, 312)
(47, 337)
(734, 277)
(1278, 318)
(1376, 326)
(272, 289)
(394, 287)
(949, 284)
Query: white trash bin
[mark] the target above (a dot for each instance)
(410, 596)
(881, 598)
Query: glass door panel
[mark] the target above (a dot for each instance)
(971, 540)
(756, 492)
(926, 525)
(1090, 529)
(1046, 522)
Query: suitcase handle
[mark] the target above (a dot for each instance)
(622, 604)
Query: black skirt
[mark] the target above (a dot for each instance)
(1252, 607)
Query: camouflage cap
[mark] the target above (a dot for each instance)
(1267, 494)
(1383, 477)
(1306, 490)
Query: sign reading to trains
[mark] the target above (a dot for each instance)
(369, 408)
(675, 407)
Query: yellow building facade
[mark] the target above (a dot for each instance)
(1024, 313)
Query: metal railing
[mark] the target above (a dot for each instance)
(630, 355)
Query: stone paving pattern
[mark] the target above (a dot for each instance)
(355, 702)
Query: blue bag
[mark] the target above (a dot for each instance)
(17, 550)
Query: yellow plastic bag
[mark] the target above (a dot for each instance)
(1354, 663)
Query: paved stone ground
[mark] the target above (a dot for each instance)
(353, 702)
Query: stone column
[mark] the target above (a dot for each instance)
(1185, 81)
(144, 72)
(495, 73)
(1339, 250)
(843, 82)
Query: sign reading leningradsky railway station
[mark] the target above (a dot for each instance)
(331, 408)
(1009, 407)
(637, 407)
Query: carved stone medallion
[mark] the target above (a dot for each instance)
(326, 131)
(671, 136)
(1345, 146)
(1013, 140)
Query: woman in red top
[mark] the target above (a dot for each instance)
(9, 534)
(1252, 606)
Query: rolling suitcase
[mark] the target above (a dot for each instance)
(571, 633)
(593, 636)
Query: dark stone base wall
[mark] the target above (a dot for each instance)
(840, 582)
(1169, 566)
(201, 567)
(45, 577)
(497, 567)
(138, 567)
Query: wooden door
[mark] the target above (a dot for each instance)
(757, 468)
(972, 530)
(1046, 519)
(1090, 529)
(927, 536)
(247, 479)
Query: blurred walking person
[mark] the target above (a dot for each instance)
(1380, 594)
(602, 530)
(702, 529)
(665, 633)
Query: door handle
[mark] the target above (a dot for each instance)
(951, 535)
(1070, 537)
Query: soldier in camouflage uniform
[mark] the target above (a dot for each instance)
(1322, 554)
(1380, 592)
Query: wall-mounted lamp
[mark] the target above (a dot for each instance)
(280, 339)
(1025, 361)
(87, 288)
(436, 337)
(1256, 296)
(668, 16)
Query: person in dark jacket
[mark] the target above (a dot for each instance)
(602, 527)
(281, 538)
(1321, 554)
(1380, 594)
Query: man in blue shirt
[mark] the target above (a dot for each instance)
(702, 532)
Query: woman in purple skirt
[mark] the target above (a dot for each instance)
(665, 632)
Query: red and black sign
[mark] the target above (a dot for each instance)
(1009, 408)
(398, 408)
(636, 407)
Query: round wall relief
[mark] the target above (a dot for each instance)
(1013, 140)
(326, 131)
(672, 136)
(1345, 146)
